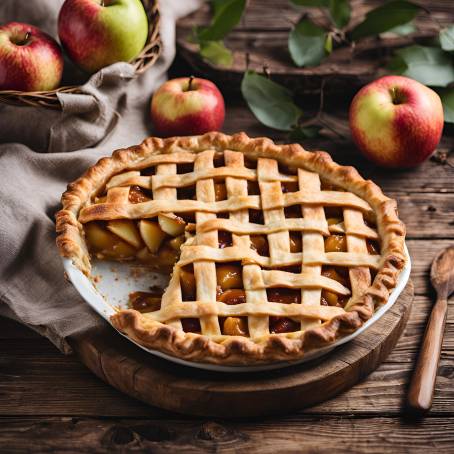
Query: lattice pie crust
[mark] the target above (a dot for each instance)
(278, 250)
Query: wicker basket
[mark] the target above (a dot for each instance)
(141, 63)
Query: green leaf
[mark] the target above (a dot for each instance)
(339, 9)
(385, 17)
(428, 65)
(308, 132)
(447, 99)
(215, 52)
(227, 15)
(312, 3)
(340, 12)
(217, 5)
(328, 43)
(397, 65)
(447, 38)
(306, 43)
(271, 103)
(403, 30)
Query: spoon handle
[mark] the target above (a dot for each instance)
(423, 382)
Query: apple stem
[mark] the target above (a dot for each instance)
(266, 71)
(320, 118)
(190, 83)
(24, 41)
(397, 97)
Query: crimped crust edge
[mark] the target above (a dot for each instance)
(239, 350)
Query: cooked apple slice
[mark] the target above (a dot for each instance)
(105, 243)
(145, 256)
(188, 285)
(171, 224)
(122, 250)
(167, 256)
(235, 326)
(151, 234)
(126, 230)
(177, 242)
(98, 238)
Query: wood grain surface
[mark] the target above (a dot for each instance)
(290, 434)
(53, 402)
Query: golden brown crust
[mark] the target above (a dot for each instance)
(230, 349)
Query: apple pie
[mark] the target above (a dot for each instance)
(272, 250)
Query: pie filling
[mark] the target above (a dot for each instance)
(157, 242)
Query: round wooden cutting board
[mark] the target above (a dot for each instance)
(198, 392)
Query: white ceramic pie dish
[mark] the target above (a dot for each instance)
(114, 282)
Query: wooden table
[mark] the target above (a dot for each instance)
(52, 402)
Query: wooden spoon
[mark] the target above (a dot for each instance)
(423, 382)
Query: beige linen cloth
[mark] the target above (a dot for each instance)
(42, 150)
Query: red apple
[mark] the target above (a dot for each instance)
(98, 33)
(396, 122)
(187, 106)
(30, 60)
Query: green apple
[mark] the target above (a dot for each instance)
(98, 33)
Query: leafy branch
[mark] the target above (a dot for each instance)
(309, 43)
(274, 106)
(227, 14)
(271, 103)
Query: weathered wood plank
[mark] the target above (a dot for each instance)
(77, 392)
(308, 434)
(422, 253)
(421, 306)
(261, 15)
(385, 389)
(428, 216)
(37, 379)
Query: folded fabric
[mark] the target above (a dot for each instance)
(112, 113)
